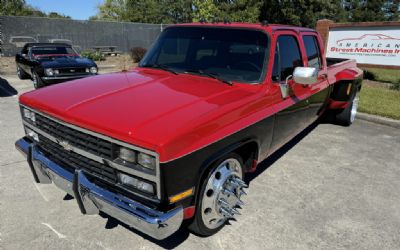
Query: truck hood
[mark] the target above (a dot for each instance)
(148, 108)
(66, 62)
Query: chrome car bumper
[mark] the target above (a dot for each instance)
(92, 198)
(50, 79)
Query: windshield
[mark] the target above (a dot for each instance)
(232, 54)
(51, 51)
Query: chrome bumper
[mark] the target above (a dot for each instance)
(92, 198)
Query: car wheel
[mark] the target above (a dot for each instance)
(37, 82)
(348, 115)
(21, 74)
(220, 196)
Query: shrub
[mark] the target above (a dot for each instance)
(93, 55)
(396, 85)
(137, 53)
(369, 75)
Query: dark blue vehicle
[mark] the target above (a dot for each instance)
(49, 63)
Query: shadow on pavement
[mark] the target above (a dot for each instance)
(169, 243)
(6, 89)
(264, 165)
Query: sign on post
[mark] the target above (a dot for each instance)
(375, 44)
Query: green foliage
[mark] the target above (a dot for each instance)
(380, 101)
(137, 53)
(20, 8)
(382, 75)
(396, 85)
(95, 56)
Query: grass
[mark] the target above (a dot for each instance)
(383, 75)
(380, 101)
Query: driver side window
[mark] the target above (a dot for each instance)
(287, 57)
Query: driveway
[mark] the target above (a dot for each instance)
(331, 187)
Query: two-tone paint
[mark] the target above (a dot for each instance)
(191, 121)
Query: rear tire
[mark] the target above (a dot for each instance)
(22, 74)
(37, 81)
(348, 115)
(214, 196)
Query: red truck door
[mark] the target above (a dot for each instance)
(319, 91)
(295, 117)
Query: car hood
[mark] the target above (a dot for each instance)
(66, 62)
(147, 108)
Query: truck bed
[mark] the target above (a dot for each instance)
(340, 69)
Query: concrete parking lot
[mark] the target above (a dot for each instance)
(332, 187)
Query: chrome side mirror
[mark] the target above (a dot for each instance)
(305, 75)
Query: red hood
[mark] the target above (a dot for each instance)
(144, 107)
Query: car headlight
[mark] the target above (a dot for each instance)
(127, 155)
(93, 70)
(29, 115)
(147, 161)
(136, 183)
(49, 72)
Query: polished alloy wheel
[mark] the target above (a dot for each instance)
(221, 198)
(35, 80)
(354, 107)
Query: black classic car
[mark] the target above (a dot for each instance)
(48, 63)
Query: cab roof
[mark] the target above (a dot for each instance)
(259, 26)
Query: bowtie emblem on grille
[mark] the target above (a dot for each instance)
(65, 145)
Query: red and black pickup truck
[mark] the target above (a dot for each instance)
(172, 139)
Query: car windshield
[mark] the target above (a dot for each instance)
(51, 51)
(231, 54)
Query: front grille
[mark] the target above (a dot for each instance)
(72, 71)
(92, 144)
(71, 160)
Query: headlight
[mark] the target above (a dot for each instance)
(29, 115)
(49, 72)
(127, 155)
(32, 134)
(147, 161)
(136, 183)
(93, 70)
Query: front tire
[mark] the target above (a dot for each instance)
(219, 197)
(22, 74)
(37, 81)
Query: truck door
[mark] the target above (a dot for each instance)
(319, 91)
(294, 116)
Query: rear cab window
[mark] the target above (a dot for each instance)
(313, 51)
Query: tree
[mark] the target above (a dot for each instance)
(301, 12)
(20, 8)
(239, 10)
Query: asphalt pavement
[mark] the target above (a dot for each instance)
(332, 187)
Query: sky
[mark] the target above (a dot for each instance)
(76, 9)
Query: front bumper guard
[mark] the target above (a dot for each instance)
(92, 198)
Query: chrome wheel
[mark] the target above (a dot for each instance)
(354, 107)
(34, 80)
(221, 197)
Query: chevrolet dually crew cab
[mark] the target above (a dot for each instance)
(173, 139)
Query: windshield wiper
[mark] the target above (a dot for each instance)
(209, 74)
(160, 66)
